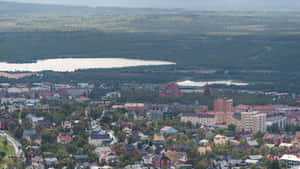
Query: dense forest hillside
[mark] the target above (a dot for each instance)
(259, 47)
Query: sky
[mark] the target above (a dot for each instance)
(185, 4)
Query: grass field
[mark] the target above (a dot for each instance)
(9, 150)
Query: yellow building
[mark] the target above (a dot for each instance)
(204, 150)
(158, 137)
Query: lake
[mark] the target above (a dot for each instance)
(73, 64)
(203, 83)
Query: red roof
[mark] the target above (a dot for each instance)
(102, 105)
(64, 137)
(82, 98)
(255, 107)
(242, 106)
(273, 157)
(263, 107)
(216, 113)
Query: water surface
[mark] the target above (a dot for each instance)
(203, 83)
(72, 64)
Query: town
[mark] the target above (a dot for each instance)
(82, 125)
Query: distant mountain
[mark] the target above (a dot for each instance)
(256, 5)
(10, 8)
(16, 8)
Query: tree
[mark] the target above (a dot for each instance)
(275, 164)
(70, 164)
(19, 132)
(49, 136)
(263, 150)
(92, 156)
(5, 142)
(254, 167)
(2, 155)
(273, 128)
(102, 162)
(231, 127)
(169, 142)
(26, 124)
(202, 164)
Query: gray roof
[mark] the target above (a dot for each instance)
(252, 143)
(199, 115)
(36, 158)
(256, 157)
(51, 161)
(29, 133)
(101, 150)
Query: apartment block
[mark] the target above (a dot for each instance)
(223, 105)
(253, 121)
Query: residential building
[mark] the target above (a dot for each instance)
(105, 153)
(97, 138)
(268, 109)
(253, 121)
(27, 134)
(204, 150)
(293, 119)
(220, 139)
(235, 119)
(67, 124)
(176, 157)
(37, 161)
(276, 119)
(51, 162)
(168, 130)
(223, 105)
(147, 159)
(251, 143)
(296, 140)
(291, 160)
(222, 117)
(135, 166)
(163, 115)
(202, 119)
(161, 161)
(80, 158)
(64, 139)
(191, 108)
(259, 123)
(45, 123)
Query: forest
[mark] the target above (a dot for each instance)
(256, 47)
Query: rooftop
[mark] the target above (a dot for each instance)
(290, 157)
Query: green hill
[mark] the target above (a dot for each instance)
(261, 47)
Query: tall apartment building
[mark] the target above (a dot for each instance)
(253, 121)
(259, 123)
(223, 105)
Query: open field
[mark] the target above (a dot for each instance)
(15, 75)
(9, 151)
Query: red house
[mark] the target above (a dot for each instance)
(64, 139)
(159, 161)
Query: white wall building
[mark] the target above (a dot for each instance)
(291, 161)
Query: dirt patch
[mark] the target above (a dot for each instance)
(15, 75)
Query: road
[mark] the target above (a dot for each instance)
(114, 139)
(19, 152)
